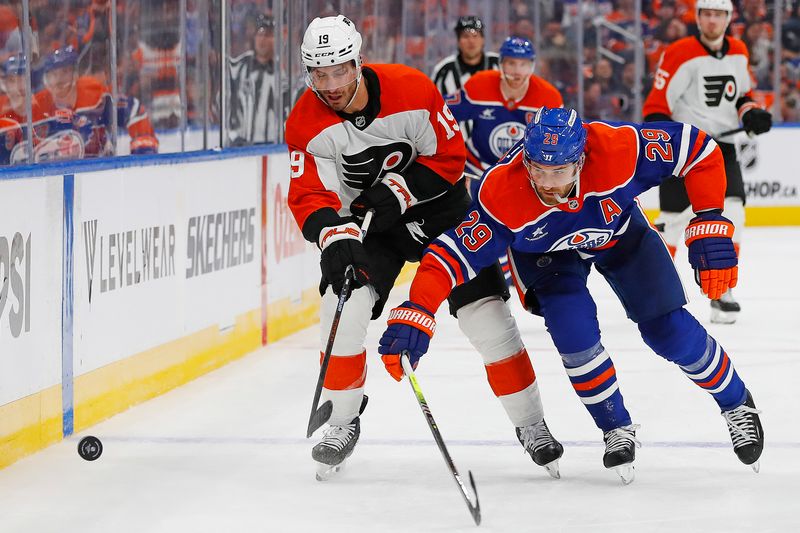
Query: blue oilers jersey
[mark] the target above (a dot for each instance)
(621, 162)
(497, 124)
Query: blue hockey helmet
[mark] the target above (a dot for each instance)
(60, 57)
(518, 47)
(554, 137)
(15, 65)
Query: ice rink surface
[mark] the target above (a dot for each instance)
(227, 453)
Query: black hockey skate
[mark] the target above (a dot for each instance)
(621, 444)
(337, 445)
(543, 448)
(725, 310)
(747, 436)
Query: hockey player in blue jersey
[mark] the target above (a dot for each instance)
(500, 103)
(77, 114)
(564, 199)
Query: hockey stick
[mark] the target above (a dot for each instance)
(733, 131)
(474, 510)
(322, 413)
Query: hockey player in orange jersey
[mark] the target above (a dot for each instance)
(78, 110)
(380, 137)
(704, 81)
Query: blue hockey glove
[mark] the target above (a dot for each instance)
(711, 253)
(410, 328)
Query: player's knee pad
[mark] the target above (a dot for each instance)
(734, 211)
(490, 328)
(676, 336)
(671, 225)
(352, 329)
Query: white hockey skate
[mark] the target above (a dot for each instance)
(543, 448)
(621, 444)
(725, 310)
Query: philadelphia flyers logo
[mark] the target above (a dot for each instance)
(718, 86)
(362, 170)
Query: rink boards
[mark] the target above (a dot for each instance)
(122, 279)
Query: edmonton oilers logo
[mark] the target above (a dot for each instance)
(504, 136)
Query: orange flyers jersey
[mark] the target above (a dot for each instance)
(706, 89)
(410, 131)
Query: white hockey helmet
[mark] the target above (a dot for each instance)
(331, 41)
(720, 5)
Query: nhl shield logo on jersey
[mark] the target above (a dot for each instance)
(361, 170)
(584, 238)
(504, 136)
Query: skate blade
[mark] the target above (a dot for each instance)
(326, 472)
(626, 473)
(723, 317)
(756, 467)
(552, 469)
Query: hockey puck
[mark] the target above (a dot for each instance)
(90, 448)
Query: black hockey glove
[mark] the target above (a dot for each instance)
(757, 121)
(341, 246)
(390, 198)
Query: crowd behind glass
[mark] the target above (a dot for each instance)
(125, 77)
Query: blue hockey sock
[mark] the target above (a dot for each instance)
(679, 337)
(594, 379)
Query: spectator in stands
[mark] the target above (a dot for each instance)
(450, 74)
(665, 33)
(254, 97)
(13, 112)
(77, 113)
(154, 76)
(94, 44)
(603, 73)
(10, 37)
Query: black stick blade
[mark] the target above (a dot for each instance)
(319, 417)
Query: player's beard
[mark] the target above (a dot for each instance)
(341, 97)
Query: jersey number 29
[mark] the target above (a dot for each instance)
(472, 234)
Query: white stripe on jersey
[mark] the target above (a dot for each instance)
(709, 148)
(451, 245)
(686, 135)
